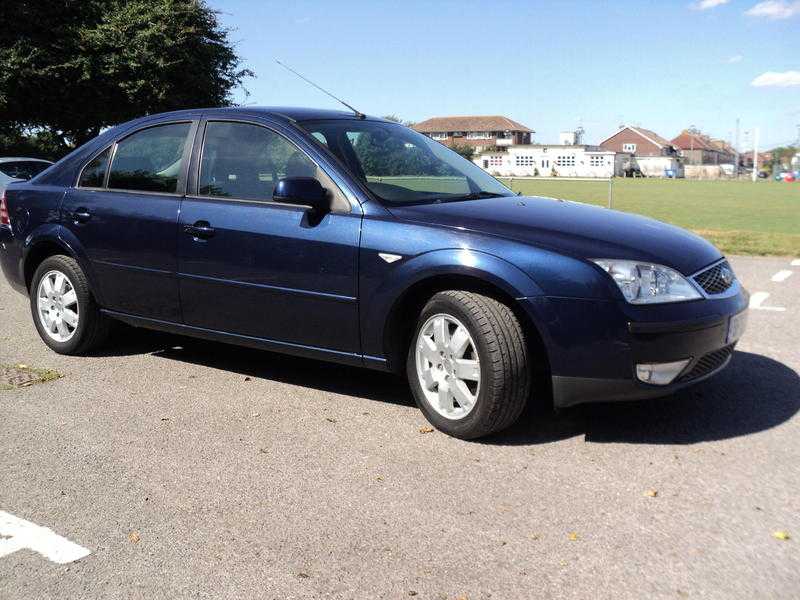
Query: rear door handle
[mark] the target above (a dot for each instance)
(201, 230)
(81, 215)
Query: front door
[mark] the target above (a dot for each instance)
(125, 218)
(255, 268)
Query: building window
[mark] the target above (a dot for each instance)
(629, 148)
(596, 160)
(479, 135)
(496, 160)
(439, 135)
(567, 160)
(545, 163)
(524, 160)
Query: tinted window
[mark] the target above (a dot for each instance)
(150, 160)
(23, 169)
(245, 161)
(402, 166)
(95, 172)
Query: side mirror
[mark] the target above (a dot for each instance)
(302, 190)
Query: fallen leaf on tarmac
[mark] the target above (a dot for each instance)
(247, 378)
(379, 478)
(412, 593)
(134, 537)
(330, 420)
(651, 493)
(572, 536)
(781, 535)
(263, 451)
(303, 575)
(535, 536)
(254, 415)
(426, 429)
(22, 366)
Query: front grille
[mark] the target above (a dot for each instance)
(716, 279)
(709, 363)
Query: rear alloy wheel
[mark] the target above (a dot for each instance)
(468, 364)
(58, 306)
(64, 311)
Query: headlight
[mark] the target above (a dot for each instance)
(646, 283)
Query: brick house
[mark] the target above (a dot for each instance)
(650, 153)
(479, 132)
(699, 149)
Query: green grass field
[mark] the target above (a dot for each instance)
(739, 217)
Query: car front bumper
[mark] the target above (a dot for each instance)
(594, 346)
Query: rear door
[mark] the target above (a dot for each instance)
(253, 267)
(124, 212)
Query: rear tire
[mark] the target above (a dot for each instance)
(64, 311)
(466, 407)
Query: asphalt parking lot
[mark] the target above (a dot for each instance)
(187, 469)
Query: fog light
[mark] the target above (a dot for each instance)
(660, 373)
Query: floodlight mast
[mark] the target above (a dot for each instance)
(357, 112)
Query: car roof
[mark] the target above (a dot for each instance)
(291, 113)
(5, 159)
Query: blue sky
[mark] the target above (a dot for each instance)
(664, 65)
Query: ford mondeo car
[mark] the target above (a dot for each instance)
(352, 239)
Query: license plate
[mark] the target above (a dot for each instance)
(736, 326)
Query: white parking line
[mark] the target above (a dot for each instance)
(16, 534)
(782, 275)
(757, 299)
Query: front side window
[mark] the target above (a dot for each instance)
(94, 174)
(150, 160)
(401, 166)
(245, 161)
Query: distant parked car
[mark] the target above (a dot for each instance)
(353, 239)
(18, 168)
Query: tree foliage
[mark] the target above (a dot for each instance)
(68, 68)
(464, 150)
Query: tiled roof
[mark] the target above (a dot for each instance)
(654, 137)
(487, 123)
(645, 133)
(687, 140)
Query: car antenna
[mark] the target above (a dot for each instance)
(358, 113)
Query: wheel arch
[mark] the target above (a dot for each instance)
(402, 318)
(40, 247)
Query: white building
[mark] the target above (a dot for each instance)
(557, 160)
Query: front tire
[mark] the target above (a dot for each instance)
(64, 311)
(468, 364)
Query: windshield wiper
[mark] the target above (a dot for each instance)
(471, 196)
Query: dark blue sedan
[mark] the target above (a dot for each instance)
(353, 239)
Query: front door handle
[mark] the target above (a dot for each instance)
(201, 229)
(81, 215)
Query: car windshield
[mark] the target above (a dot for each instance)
(401, 166)
(23, 169)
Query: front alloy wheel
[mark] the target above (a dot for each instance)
(448, 366)
(468, 364)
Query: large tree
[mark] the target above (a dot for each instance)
(72, 67)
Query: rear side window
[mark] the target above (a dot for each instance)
(94, 173)
(246, 161)
(150, 160)
(23, 169)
